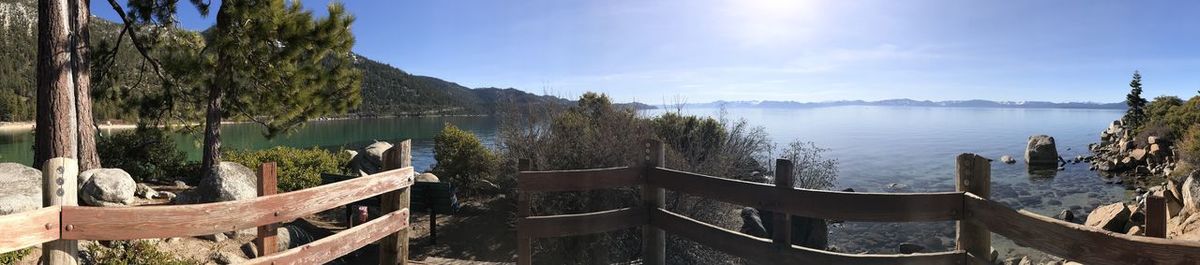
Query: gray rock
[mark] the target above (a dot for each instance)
(369, 160)
(909, 248)
(107, 187)
(228, 258)
(144, 191)
(229, 182)
(1191, 194)
(218, 237)
(1041, 153)
(1066, 215)
(20, 188)
(1007, 159)
(427, 177)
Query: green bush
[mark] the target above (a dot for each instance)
(134, 253)
(297, 168)
(1189, 147)
(463, 161)
(14, 256)
(146, 153)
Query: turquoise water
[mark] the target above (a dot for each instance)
(880, 149)
(332, 135)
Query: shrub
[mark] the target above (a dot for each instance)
(297, 168)
(810, 170)
(134, 253)
(463, 160)
(1189, 148)
(147, 153)
(594, 134)
(14, 256)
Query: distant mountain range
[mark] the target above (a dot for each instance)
(975, 103)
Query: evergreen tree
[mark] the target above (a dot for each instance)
(267, 61)
(1136, 114)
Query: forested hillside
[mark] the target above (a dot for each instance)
(385, 89)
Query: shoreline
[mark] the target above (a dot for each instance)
(23, 126)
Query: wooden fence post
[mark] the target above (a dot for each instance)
(654, 240)
(973, 174)
(524, 243)
(394, 248)
(1156, 215)
(781, 225)
(267, 185)
(60, 184)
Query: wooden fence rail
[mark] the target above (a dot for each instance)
(57, 225)
(977, 218)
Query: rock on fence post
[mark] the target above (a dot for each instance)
(60, 183)
(973, 174)
(781, 225)
(654, 240)
(394, 248)
(267, 185)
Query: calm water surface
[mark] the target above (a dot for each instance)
(880, 149)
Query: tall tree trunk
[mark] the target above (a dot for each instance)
(212, 131)
(57, 123)
(88, 159)
(212, 117)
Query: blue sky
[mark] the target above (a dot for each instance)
(802, 50)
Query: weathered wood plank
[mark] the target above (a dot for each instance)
(847, 206)
(654, 240)
(973, 173)
(763, 251)
(781, 227)
(1079, 243)
(581, 224)
(1156, 215)
(60, 185)
(579, 180)
(109, 223)
(26, 229)
(329, 248)
(393, 249)
(524, 242)
(267, 185)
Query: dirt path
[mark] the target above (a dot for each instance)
(479, 233)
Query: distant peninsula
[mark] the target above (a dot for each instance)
(975, 103)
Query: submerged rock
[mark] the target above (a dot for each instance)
(1041, 152)
(1007, 159)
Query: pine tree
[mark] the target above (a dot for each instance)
(1136, 113)
(64, 106)
(269, 62)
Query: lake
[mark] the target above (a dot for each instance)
(880, 149)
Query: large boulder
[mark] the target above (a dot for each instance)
(229, 182)
(1110, 217)
(427, 177)
(20, 188)
(107, 187)
(370, 159)
(1040, 153)
(1191, 194)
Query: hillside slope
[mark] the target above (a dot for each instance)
(385, 90)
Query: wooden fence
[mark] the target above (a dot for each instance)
(61, 223)
(976, 216)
